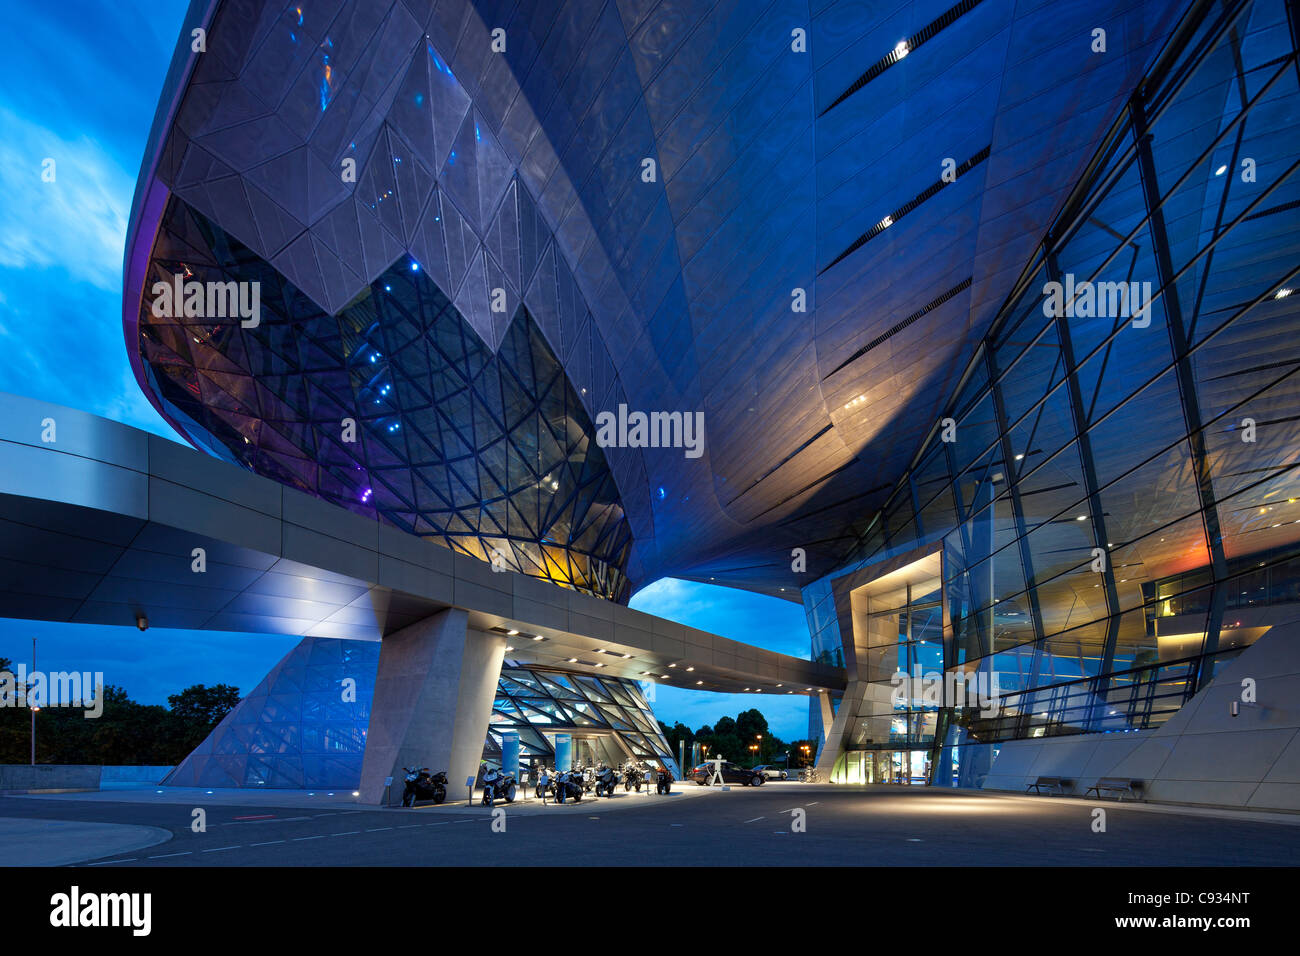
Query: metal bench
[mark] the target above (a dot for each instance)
(1116, 785)
(1050, 784)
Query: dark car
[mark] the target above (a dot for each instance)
(730, 774)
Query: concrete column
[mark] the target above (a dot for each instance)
(433, 699)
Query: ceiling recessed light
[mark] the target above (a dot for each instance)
(1221, 170)
(573, 660)
(1081, 518)
(672, 665)
(600, 650)
(1281, 293)
(901, 50)
(627, 657)
(689, 669)
(509, 649)
(698, 682)
(538, 637)
(512, 633)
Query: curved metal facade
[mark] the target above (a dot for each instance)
(792, 263)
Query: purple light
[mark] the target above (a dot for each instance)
(365, 495)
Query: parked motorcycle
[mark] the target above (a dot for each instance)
(663, 781)
(606, 781)
(498, 785)
(633, 777)
(588, 779)
(421, 786)
(568, 784)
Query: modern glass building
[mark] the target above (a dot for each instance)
(985, 309)
(1108, 507)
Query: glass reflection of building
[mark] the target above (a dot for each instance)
(1119, 507)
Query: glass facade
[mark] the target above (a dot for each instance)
(608, 718)
(297, 730)
(491, 454)
(1114, 481)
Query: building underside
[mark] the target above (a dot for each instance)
(985, 309)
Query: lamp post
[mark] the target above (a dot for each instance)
(759, 737)
(29, 704)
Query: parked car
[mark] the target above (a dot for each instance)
(730, 774)
(771, 771)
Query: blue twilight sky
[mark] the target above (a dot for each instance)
(91, 74)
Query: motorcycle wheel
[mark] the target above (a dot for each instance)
(408, 799)
(439, 795)
(638, 786)
(577, 797)
(510, 794)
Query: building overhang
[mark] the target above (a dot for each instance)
(103, 526)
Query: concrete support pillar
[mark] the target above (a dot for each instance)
(433, 699)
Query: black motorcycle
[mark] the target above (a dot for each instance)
(633, 777)
(664, 781)
(606, 781)
(498, 785)
(568, 784)
(420, 785)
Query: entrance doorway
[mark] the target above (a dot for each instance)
(902, 767)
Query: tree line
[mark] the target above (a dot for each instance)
(744, 739)
(127, 733)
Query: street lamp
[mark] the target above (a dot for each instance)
(29, 704)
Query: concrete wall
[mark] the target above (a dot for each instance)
(21, 777)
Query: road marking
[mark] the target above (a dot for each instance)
(377, 829)
(129, 859)
(408, 826)
(218, 849)
(257, 816)
(675, 824)
(755, 820)
(163, 856)
(267, 843)
(914, 840)
(321, 837)
(814, 803)
(442, 824)
(345, 833)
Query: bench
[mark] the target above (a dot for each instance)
(1050, 784)
(1116, 785)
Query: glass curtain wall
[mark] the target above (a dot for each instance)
(1117, 472)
